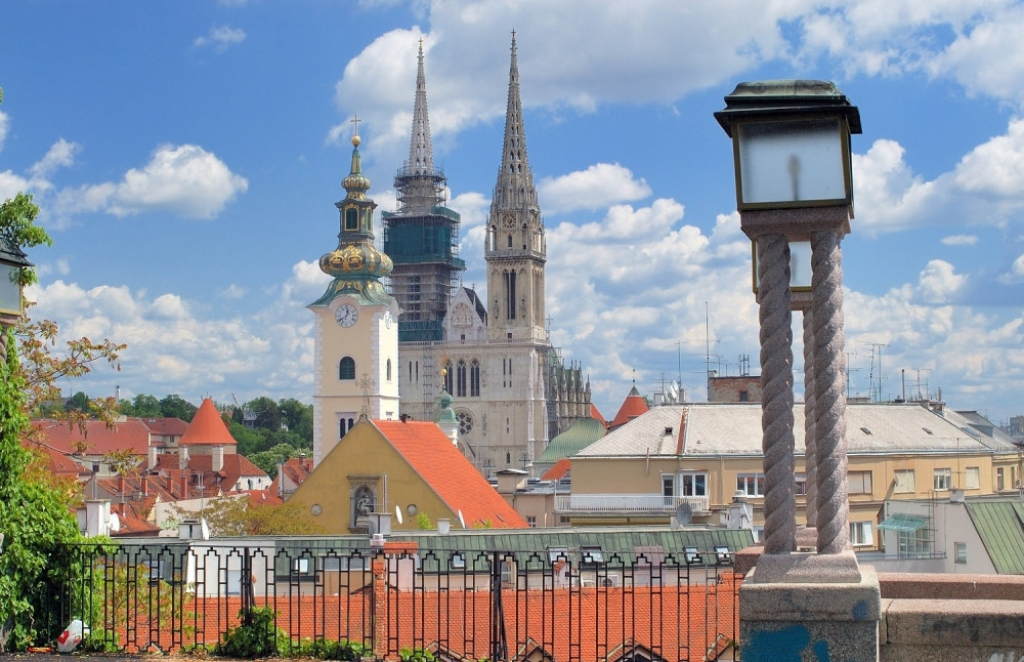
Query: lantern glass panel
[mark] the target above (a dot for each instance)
(799, 161)
(10, 289)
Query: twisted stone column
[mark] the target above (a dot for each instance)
(810, 443)
(829, 393)
(777, 394)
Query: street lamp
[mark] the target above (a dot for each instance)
(794, 183)
(13, 262)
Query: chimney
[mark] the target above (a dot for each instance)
(144, 481)
(218, 458)
(184, 484)
(183, 457)
(152, 457)
(121, 487)
(280, 479)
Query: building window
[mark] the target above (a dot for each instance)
(474, 379)
(345, 424)
(389, 370)
(448, 377)
(972, 478)
(744, 396)
(859, 482)
(904, 479)
(351, 219)
(800, 484)
(943, 479)
(758, 532)
(465, 420)
(693, 484)
(915, 543)
(750, 484)
(960, 552)
(460, 379)
(591, 554)
(861, 534)
(1000, 483)
(347, 368)
(532, 521)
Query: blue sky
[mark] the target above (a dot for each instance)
(187, 158)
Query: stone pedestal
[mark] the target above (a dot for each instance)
(800, 620)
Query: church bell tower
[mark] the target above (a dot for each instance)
(355, 331)
(516, 247)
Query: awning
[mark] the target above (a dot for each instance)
(903, 523)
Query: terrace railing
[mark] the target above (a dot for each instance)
(558, 604)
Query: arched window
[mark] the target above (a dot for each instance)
(508, 458)
(474, 379)
(347, 368)
(460, 379)
(389, 370)
(448, 376)
(344, 425)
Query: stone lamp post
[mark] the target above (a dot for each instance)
(12, 306)
(791, 149)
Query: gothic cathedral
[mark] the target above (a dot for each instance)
(512, 393)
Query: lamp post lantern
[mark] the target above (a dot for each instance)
(794, 183)
(13, 262)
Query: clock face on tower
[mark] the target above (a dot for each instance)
(346, 315)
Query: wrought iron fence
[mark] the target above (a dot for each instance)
(556, 604)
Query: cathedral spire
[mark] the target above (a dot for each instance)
(515, 180)
(421, 155)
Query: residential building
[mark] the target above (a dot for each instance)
(692, 460)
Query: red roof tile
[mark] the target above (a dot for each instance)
(166, 426)
(130, 434)
(560, 468)
(634, 405)
(207, 427)
(450, 474)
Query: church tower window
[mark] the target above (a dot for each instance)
(460, 379)
(448, 376)
(347, 368)
(351, 219)
(389, 370)
(474, 379)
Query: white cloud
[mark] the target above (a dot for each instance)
(220, 38)
(960, 240)
(596, 187)
(1015, 274)
(996, 167)
(938, 283)
(186, 180)
(60, 155)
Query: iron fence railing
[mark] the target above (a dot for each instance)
(556, 604)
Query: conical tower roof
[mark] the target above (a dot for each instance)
(421, 152)
(207, 428)
(634, 405)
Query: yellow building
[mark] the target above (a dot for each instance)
(406, 469)
(691, 461)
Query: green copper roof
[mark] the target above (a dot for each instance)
(1000, 526)
(583, 432)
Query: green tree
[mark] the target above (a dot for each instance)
(236, 516)
(268, 414)
(142, 406)
(269, 459)
(298, 416)
(77, 402)
(174, 406)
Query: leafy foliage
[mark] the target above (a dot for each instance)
(17, 228)
(238, 517)
(255, 637)
(416, 655)
(269, 459)
(34, 518)
(325, 649)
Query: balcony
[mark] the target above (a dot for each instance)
(628, 503)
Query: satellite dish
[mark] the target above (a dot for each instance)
(684, 513)
(462, 520)
(115, 522)
(398, 513)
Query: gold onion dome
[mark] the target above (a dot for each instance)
(357, 184)
(355, 261)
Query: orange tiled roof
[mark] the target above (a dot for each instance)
(596, 414)
(166, 426)
(560, 468)
(296, 469)
(130, 434)
(450, 474)
(634, 405)
(207, 427)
